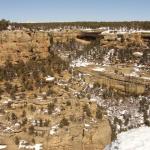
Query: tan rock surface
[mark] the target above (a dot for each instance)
(22, 45)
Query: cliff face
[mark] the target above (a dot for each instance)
(96, 139)
(122, 41)
(68, 96)
(21, 45)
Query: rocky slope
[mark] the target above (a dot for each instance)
(35, 109)
(47, 100)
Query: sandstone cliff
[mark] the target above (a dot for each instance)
(21, 45)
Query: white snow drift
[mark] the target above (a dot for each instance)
(134, 139)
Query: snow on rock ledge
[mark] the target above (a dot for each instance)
(134, 139)
(81, 62)
(99, 69)
(49, 78)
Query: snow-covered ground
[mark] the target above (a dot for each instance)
(134, 139)
(124, 31)
(106, 61)
(80, 63)
(135, 72)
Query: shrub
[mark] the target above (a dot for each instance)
(8, 87)
(16, 140)
(13, 116)
(68, 103)
(32, 108)
(23, 113)
(86, 109)
(31, 129)
(41, 122)
(99, 113)
(64, 122)
(33, 141)
(46, 123)
(50, 108)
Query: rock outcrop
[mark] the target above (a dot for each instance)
(122, 41)
(96, 138)
(22, 45)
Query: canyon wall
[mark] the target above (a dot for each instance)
(21, 45)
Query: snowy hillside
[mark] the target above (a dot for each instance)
(135, 139)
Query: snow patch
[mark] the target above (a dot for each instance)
(49, 78)
(93, 100)
(86, 125)
(138, 54)
(3, 146)
(134, 139)
(106, 61)
(54, 129)
(135, 72)
(146, 78)
(99, 69)
(24, 145)
(80, 63)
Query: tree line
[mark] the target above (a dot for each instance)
(4, 24)
(51, 25)
(133, 24)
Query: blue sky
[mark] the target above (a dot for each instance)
(74, 10)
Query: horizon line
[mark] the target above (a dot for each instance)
(79, 21)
